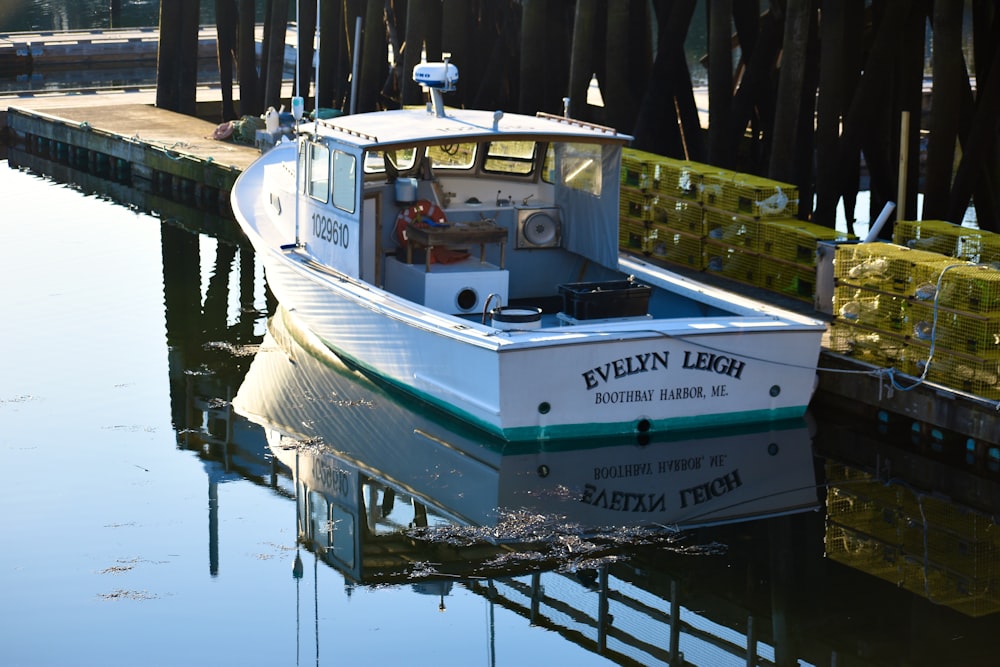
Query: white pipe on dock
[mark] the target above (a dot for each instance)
(880, 221)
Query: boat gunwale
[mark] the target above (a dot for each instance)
(460, 328)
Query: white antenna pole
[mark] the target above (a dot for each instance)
(298, 106)
(298, 40)
(316, 52)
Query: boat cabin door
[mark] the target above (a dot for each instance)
(371, 236)
(340, 223)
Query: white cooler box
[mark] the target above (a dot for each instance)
(458, 288)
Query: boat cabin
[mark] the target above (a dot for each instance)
(453, 213)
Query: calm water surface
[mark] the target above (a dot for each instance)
(157, 405)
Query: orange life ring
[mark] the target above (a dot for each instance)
(420, 213)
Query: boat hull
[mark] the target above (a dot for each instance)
(542, 388)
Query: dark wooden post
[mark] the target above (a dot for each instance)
(188, 85)
(274, 62)
(421, 16)
(667, 122)
(746, 20)
(791, 86)
(247, 61)
(619, 106)
(829, 111)
(226, 25)
(374, 49)
(862, 128)
(498, 74)
(581, 64)
(910, 100)
(306, 32)
(949, 70)
(177, 57)
(459, 32)
(753, 103)
(720, 81)
(168, 58)
(980, 143)
(534, 35)
(335, 49)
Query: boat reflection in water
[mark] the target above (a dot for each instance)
(385, 488)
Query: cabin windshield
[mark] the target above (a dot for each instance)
(397, 159)
(452, 156)
(510, 157)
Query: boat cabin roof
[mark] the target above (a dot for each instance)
(415, 126)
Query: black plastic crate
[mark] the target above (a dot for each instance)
(601, 300)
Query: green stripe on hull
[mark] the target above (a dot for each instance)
(657, 428)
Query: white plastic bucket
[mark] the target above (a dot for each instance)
(510, 319)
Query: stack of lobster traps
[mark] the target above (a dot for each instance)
(736, 225)
(918, 311)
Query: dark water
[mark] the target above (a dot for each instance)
(148, 520)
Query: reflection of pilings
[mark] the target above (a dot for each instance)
(213, 527)
(675, 625)
(782, 572)
(536, 596)
(182, 300)
(603, 617)
(214, 312)
(248, 315)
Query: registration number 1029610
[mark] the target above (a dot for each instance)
(330, 230)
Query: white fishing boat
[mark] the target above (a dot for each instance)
(472, 259)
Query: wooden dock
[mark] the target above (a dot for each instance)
(130, 142)
(126, 140)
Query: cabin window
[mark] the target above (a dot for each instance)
(452, 156)
(342, 535)
(399, 160)
(510, 157)
(344, 184)
(579, 167)
(549, 165)
(319, 172)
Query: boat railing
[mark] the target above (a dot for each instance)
(577, 123)
(326, 122)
